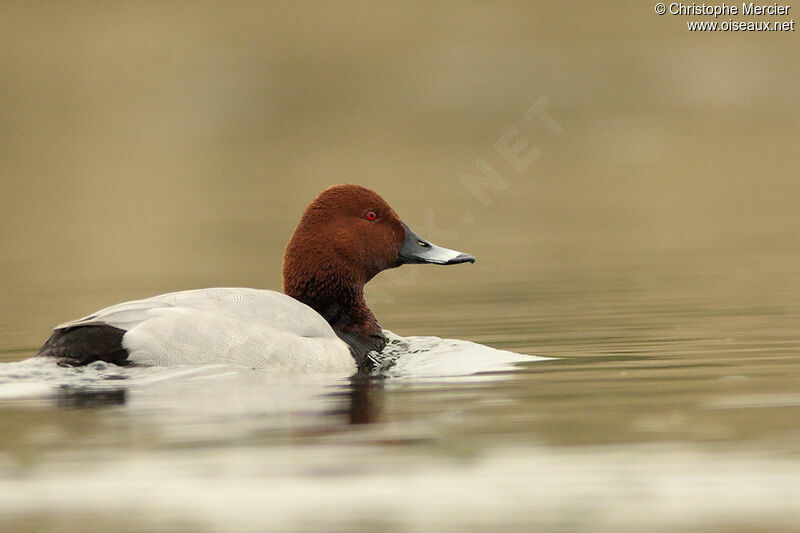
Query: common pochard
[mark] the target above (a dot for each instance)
(346, 236)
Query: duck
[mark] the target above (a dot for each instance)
(319, 323)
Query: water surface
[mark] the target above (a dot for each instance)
(670, 390)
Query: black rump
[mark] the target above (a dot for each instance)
(82, 345)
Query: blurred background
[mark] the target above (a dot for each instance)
(149, 146)
(649, 240)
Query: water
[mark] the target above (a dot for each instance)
(649, 253)
(665, 408)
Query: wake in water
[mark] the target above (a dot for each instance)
(41, 376)
(403, 358)
(431, 357)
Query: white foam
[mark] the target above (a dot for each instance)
(25, 390)
(432, 357)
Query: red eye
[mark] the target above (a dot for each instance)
(370, 215)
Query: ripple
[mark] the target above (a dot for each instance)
(404, 358)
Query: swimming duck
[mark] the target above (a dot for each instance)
(321, 323)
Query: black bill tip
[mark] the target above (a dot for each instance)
(461, 258)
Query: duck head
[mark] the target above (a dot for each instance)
(346, 236)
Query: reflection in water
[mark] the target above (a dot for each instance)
(362, 397)
(366, 400)
(81, 398)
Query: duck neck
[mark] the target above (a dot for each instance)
(345, 309)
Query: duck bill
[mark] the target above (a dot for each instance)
(416, 250)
